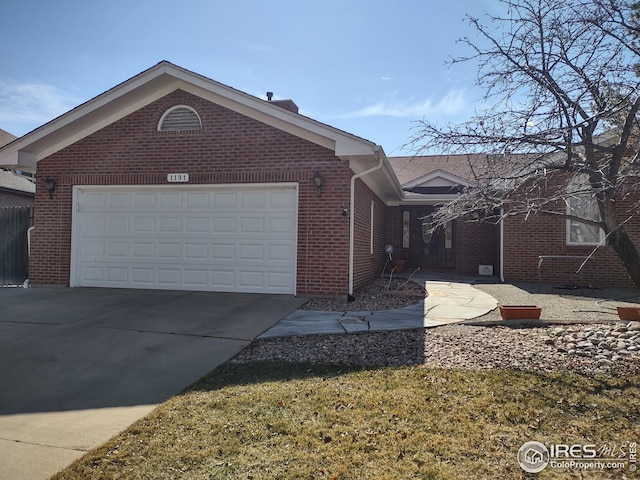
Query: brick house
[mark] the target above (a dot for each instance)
(171, 180)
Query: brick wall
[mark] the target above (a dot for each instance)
(230, 148)
(367, 265)
(527, 238)
(476, 244)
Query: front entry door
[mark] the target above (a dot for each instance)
(430, 249)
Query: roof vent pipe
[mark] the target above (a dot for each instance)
(269, 96)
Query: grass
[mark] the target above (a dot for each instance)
(300, 421)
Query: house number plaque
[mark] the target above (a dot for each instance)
(177, 177)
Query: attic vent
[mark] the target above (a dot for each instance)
(179, 118)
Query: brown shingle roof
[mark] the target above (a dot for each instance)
(465, 166)
(408, 169)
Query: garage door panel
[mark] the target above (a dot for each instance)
(119, 200)
(117, 275)
(169, 250)
(198, 200)
(118, 249)
(144, 224)
(144, 199)
(142, 276)
(225, 253)
(221, 225)
(171, 200)
(253, 200)
(169, 224)
(216, 239)
(116, 224)
(252, 225)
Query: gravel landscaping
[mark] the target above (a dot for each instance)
(381, 294)
(580, 332)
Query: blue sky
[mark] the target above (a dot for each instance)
(369, 67)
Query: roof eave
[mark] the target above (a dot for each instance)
(153, 84)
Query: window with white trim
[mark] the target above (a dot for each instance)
(583, 204)
(179, 118)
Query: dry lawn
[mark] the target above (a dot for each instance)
(295, 421)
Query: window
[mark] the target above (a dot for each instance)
(179, 118)
(582, 203)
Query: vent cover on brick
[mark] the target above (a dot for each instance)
(179, 118)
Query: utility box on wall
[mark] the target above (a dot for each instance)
(485, 270)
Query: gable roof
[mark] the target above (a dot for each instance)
(164, 78)
(410, 170)
(437, 178)
(153, 84)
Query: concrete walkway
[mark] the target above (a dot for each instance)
(447, 302)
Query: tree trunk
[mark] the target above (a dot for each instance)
(627, 253)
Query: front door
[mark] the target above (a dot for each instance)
(430, 249)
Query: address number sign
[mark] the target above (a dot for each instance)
(177, 177)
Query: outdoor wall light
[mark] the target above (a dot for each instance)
(318, 181)
(345, 211)
(50, 185)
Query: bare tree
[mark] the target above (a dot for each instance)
(562, 95)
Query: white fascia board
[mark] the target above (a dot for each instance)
(382, 181)
(102, 122)
(87, 118)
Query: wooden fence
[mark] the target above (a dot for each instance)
(14, 253)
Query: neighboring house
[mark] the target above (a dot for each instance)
(171, 180)
(15, 190)
(16, 209)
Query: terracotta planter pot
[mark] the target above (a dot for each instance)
(629, 313)
(398, 265)
(520, 312)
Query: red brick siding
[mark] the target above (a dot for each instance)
(476, 244)
(367, 266)
(230, 148)
(394, 229)
(527, 238)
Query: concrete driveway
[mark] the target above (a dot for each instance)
(78, 366)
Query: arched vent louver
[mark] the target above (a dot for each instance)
(179, 118)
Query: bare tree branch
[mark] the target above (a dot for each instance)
(563, 93)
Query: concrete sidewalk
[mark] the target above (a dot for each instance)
(447, 302)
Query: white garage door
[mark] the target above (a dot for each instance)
(213, 238)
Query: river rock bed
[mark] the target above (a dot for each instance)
(604, 343)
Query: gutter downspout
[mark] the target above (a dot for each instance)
(377, 152)
(502, 245)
